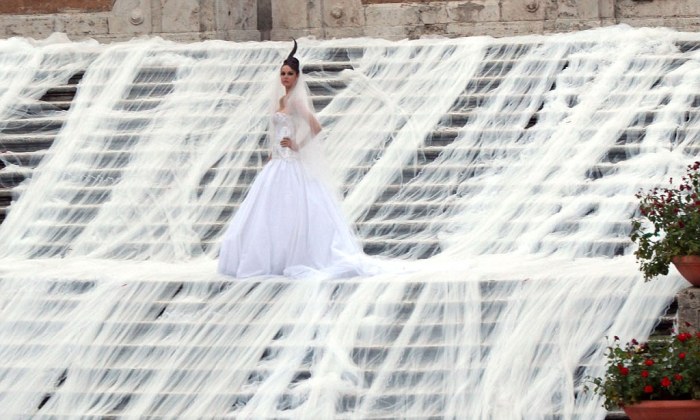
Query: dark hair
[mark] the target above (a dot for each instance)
(292, 61)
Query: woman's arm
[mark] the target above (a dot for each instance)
(314, 124)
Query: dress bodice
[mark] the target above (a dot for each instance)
(283, 127)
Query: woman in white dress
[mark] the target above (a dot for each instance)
(290, 223)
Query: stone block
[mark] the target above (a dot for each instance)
(406, 14)
(130, 17)
(387, 32)
(389, 15)
(236, 15)
(658, 8)
(207, 15)
(349, 32)
(686, 24)
(578, 9)
(290, 14)
(82, 25)
(571, 25)
(179, 15)
(473, 11)
(518, 11)
(239, 35)
(495, 29)
(606, 9)
(432, 13)
(287, 34)
(37, 27)
(343, 13)
(689, 309)
(419, 31)
(315, 13)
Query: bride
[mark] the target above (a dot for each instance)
(290, 223)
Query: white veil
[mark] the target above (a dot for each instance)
(299, 107)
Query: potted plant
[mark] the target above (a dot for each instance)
(659, 376)
(668, 229)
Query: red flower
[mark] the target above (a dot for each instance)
(645, 374)
(623, 370)
(682, 355)
(678, 377)
(649, 362)
(648, 389)
(683, 337)
(665, 382)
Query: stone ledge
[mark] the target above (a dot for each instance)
(230, 35)
(23, 7)
(685, 24)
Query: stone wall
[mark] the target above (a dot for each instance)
(110, 20)
(395, 19)
(191, 20)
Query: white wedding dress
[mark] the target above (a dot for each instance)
(290, 223)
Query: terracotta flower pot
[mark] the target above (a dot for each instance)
(664, 410)
(689, 267)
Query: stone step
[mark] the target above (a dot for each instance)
(172, 288)
(391, 209)
(375, 333)
(488, 66)
(334, 60)
(11, 177)
(63, 415)
(98, 194)
(416, 206)
(345, 404)
(367, 357)
(17, 139)
(490, 76)
(54, 312)
(146, 96)
(424, 153)
(114, 374)
(371, 246)
(328, 85)
(376, 227)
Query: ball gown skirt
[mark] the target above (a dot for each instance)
(289, 224)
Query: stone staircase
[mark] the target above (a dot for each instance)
(25, 141)
(136, 355)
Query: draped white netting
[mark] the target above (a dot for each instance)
(509, 166)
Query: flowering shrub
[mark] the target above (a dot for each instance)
(669, 225)
(657, 370)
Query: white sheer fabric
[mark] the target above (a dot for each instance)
(290, 223)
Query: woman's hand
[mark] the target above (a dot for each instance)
(287, 142)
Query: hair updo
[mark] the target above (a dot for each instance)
(292, 61)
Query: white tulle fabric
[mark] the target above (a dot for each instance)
(290, 223)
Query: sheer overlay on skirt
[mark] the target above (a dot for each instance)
(289, 223)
